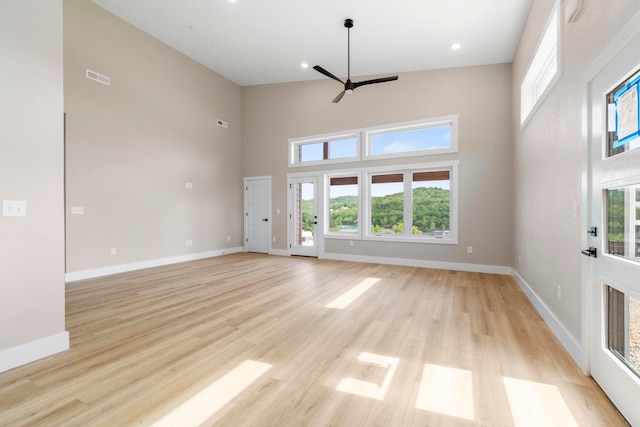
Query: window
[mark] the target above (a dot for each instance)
(434, 136)
(623, 120)
(413, 204)
(323, 150)
(544, 69)
(623, 221)
(343, 205)
(417, 138)
(387, 204)
(623, 327)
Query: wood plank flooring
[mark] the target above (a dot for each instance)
(248, 340)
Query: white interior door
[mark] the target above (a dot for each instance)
(257, 216)
(303, 216)
(613, 265)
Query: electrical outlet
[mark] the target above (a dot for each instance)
(189, 242)
(350, 242)
(469, 249)
(113, 251)
(559, 291)
(228, 238)
(274, 238)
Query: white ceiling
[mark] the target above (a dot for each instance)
(265, 41)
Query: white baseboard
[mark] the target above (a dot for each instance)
(440, 265)
(566, 339)
(123, 268)
(32, 351)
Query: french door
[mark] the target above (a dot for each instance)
(612, 263)
(303, 216)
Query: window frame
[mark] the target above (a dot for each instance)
(363, 141)
(450, 120)
(295, 143)
(407, 171)
(531, 94)
(327, 208)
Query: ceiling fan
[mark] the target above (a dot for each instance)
(350, 86)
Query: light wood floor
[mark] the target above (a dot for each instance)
(248, 340)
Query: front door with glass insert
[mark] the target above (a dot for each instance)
(614, 230)
(303, 216)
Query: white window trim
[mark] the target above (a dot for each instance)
(528, 87)
(451, 120)
(364, 208)
(327, 205)
(451, 239)
(363, 150)
(294, 143)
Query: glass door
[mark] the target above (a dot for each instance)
(303, 216)
(613, 231)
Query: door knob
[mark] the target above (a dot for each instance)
(591, 252)
(265, 219)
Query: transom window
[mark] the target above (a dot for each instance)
(329, 149)
(417, 138)
(544, 69)
(434, 137)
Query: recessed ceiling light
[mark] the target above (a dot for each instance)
(456, 46)
(304, 65)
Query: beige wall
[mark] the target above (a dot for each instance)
(480, 95)
(548, 159)
(131, 147)
(31, 169)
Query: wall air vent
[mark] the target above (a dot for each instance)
(100, 78)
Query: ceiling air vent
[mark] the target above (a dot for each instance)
(100, 78)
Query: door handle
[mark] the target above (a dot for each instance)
(591, 252)
(265, 219)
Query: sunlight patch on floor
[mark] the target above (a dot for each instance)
(537, 404)
(447, 391)
(370, 389)
(207, 402)
(351, 295)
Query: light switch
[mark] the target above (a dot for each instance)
(77, 210)
(14, 208)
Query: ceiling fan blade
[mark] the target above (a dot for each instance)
(326, 73)
(380, 80)
(339, 97)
